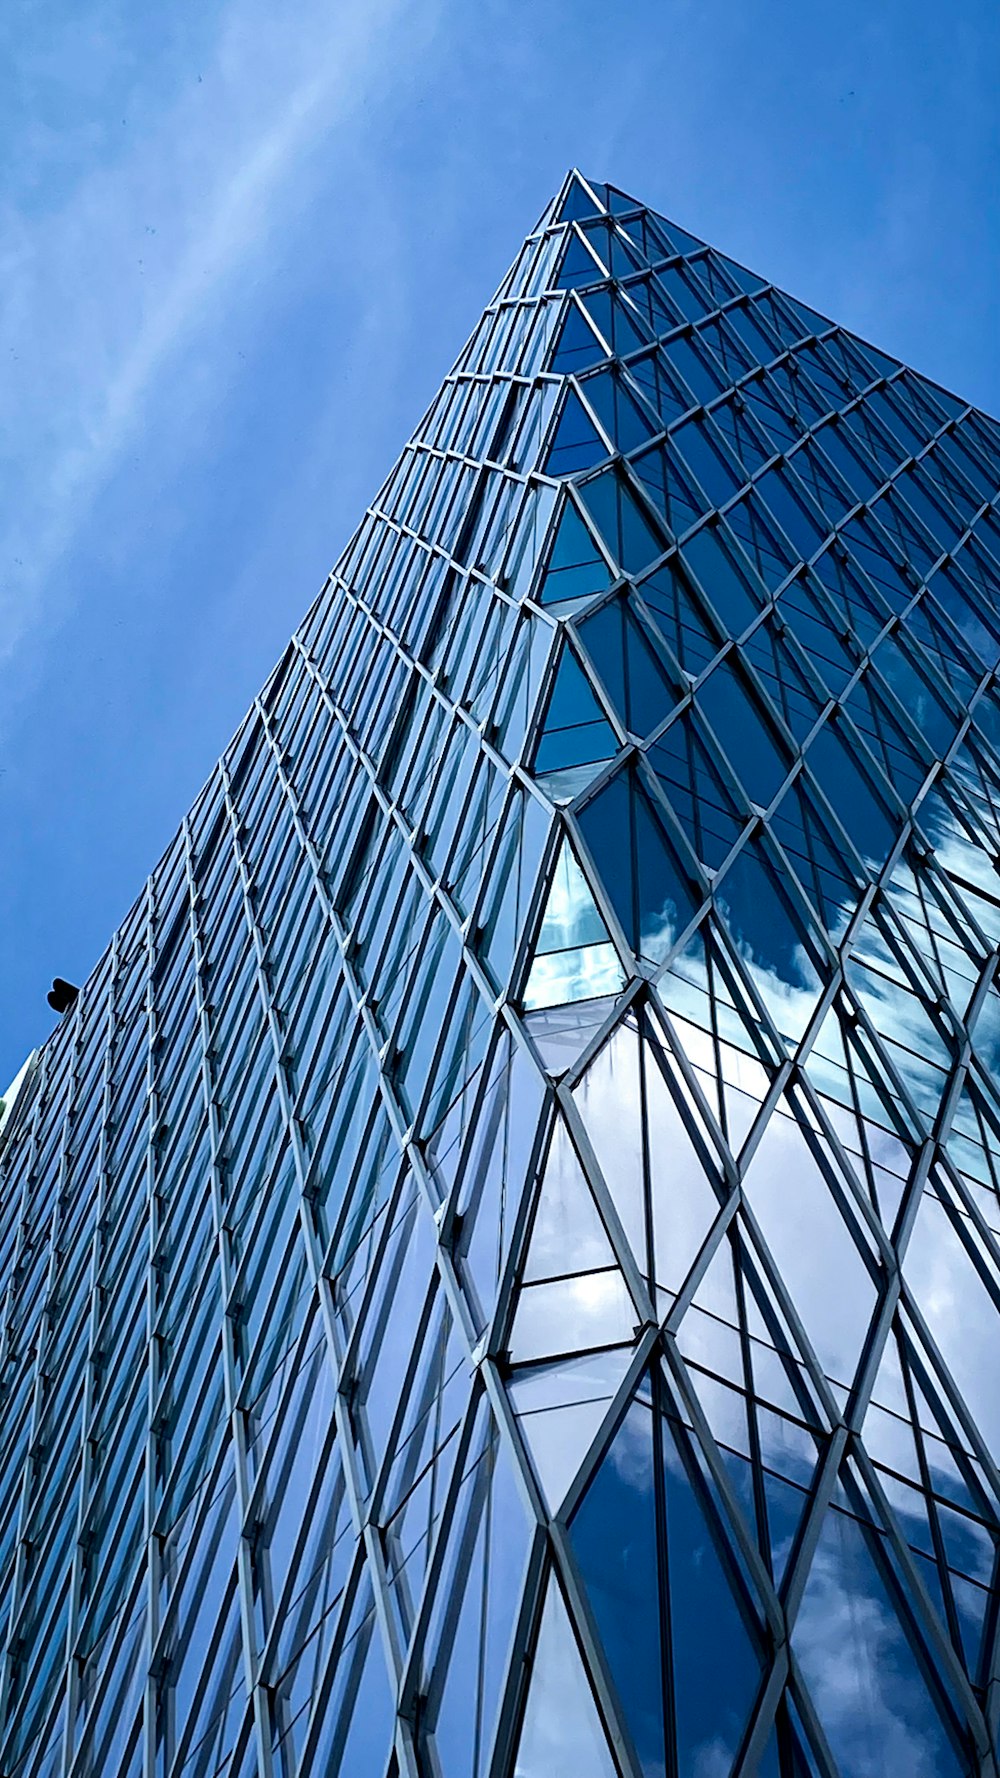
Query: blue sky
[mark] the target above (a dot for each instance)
(240, 246)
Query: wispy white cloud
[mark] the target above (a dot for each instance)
(106, 294)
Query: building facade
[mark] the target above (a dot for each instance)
(500, 1265)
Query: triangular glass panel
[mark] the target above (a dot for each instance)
(638, 866)
(665, 394)
(577, 344)
(724, 576)
(683, 1201)
(578, 202)
(954, 1279)
(778, 949)
(498, 1153)
(577, 444)
(514, 868)
(573, 957)
(365, 1702)
(614, 1536)
(437, 1398)
(669, 488)
(618, 411)
(680, 618)
(716, 1665)
(629, 1113)
(811, 1240)
(626, 530)
(559, 1409)
(578, 265)
(469, 1664)
(609, 1099)
(561, 1730)
(865, 1680)
(828, 875)
(756, 752)
(628, 666)
(616, 319)
(707, 809)
(567, 1234)
(576, 569)
(565, 1316)
(575, 730)
(661, 314)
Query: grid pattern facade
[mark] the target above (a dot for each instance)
(500, 1266)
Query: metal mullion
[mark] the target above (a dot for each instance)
(299, 1589)
(237, 1430)
(447, 1214)
(316, 1717)
(660, 1406)
(911, 734)
(861, 1021)
(752, 1240)
(969, 1211)
(948, 924)
(929, 1630)
(938, 498)
(723, 1159)
(203, 1499)
(860, 1207)
(454, 1295)
(823, 1486)
(409, 1697)
(514, 1690)
(942, 1383)
(571, 1075)
(486, 1004)
(23, 1223)
(350, 1045)
(566, 1574)
(178, 1221)
(11, 1651)
(382, 1470)
(945, 473)
(498, 1323)
(642, 1354)
(54, 1707)
(152, 1563)
(757, 1464)
(179, 1363)
(364, 1527)
(930, 1501)
(463, 1541)
(429, 677)
(115, 1521)
(433, 886)
(636, 1285)
(968, 429)
(130, 1476)
(733, 1518)
(267, 1462)
(249, 1257)
(764, 1719)
(725, 957)
(406, 1195)
(817, 1744)
(110, 1676)
(46, 1536)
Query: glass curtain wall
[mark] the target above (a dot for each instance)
(500, 1265)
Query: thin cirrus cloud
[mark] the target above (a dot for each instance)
(104, 289)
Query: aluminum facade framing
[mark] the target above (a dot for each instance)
(499, 1265)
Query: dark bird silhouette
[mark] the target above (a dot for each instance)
(61, 995)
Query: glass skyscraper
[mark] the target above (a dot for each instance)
(500, 1263)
